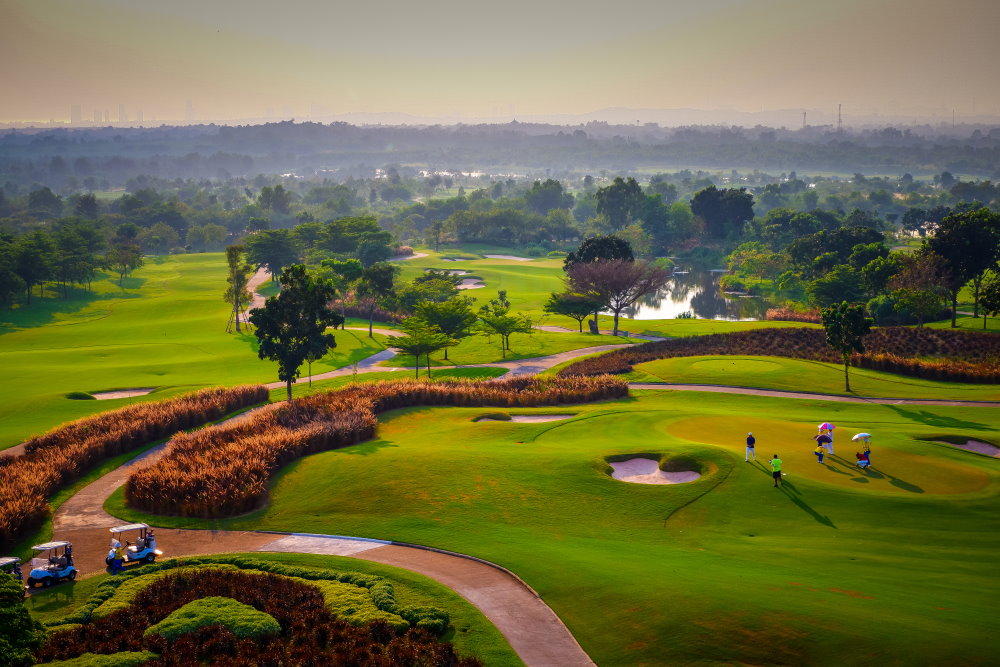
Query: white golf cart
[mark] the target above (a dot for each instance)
(12, 565)
(54, 566)
(141, 548)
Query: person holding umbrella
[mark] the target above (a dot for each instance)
(826, 430)
(865, 439)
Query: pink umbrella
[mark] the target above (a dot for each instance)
(826, 426)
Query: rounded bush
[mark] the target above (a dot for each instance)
(80, 396)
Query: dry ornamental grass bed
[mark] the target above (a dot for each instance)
(224, 470)
(58, 458)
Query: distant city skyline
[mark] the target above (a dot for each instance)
(117, 62)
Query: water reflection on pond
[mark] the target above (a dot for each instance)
(698, 292)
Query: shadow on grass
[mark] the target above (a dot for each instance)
(940, 421)
(43, 310)
(367, 448)
(793, 494)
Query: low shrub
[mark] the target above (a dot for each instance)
(121, 659)
(730, 283)
(307, 632)
(58, 458)
(224, 470)
(241, 619)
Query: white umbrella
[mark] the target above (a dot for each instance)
(862, 436)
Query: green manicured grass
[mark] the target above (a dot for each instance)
(470, 632)
(168, 330)
(484, 350)
(840, 566)
(968, 323)
(803, 375)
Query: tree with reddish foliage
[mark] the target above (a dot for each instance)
(616, 284)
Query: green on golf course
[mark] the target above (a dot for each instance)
(838, 566)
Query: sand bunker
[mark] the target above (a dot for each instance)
(471, 283)
(513, 257)
(122, 393)
(526, 419)
(978, 447)
(647, 471)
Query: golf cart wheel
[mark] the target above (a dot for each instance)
(71, 576)
(31, 582)
(149, 558)
(46, 582)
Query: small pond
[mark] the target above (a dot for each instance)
(698, 292)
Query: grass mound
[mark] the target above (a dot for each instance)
(80, 396)
(122, 659)
(241, 619)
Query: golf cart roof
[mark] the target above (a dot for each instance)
(50, 545)
(9, 560)
(129, 526)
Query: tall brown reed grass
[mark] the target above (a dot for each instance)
(224, 470)
(59, 457)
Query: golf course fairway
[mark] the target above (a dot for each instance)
(839, 566)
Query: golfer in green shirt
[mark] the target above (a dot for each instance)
(776, 469)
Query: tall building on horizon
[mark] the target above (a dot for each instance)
(122, 116)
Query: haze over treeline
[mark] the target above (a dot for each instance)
(64, 157)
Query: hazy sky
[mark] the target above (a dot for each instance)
(474, 59)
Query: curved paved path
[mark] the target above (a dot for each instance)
(529, 625)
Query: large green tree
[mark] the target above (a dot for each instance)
(969, 243)
(496, 319)
(274, 249)
(724, 211)
(846, 326)
(291, 327)
(421, 339)
(376, 284)
(621, 202)
(574, 306)
(453, 317)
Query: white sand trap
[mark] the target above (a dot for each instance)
(978, 447)
(403, 258)
(122, 393)
(513, 257)
(471, 283)
(527, 419)
(647, 471)
(321, 544)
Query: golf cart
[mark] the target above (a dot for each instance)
(57, 564)
(140, 549)
(12, 565)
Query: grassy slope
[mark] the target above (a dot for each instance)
(472, 633)
(166, 331)
(802, 375)
(823, 571)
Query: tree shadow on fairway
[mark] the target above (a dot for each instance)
(367, 448)
(793, 494)
(933, 419)
(43, 310)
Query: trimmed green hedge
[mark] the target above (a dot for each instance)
(243, 620)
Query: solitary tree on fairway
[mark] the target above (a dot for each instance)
(846, 326)
(376, 283)
(575, 306)
(989, 296)
(291, 326)
(421, 338)
(453, 317)
(238, 293)
(495, 318)
(616, 284)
